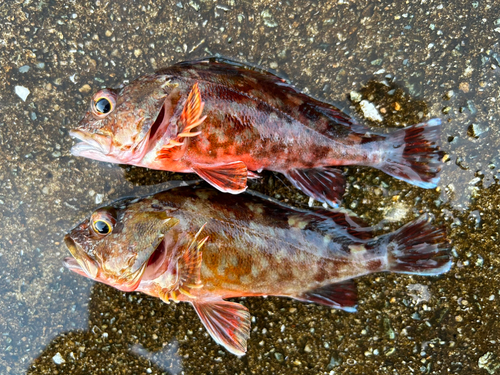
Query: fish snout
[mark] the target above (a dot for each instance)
(80, 260)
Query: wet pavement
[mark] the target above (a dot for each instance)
(417, 60)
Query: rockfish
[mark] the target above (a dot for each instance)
(201, 246)
(225, 121)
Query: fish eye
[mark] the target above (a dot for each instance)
(103, 106)
(103, 103)
(102, 226)
(102, 221)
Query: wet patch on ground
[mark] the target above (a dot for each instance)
(442, 60)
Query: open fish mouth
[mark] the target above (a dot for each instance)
(150, 269)
(80, 262)
(97, 147)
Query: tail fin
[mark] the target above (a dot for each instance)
(413, 154)
(419, 248)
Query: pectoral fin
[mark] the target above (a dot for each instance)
(190, 118)
(323, 184)
(188, 271)
(191, 114)
(343, 296)
(228, 178)
(227, 322)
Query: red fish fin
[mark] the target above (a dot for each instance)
(252, 175)
(413, 155)
(190, 262)
(188, 270)
(227, 322)
(343, 296)
(323, 184)
(418, 248)
(190, 118)
(228, 178)
(191, 114)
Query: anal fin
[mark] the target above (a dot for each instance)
(227, 322)
(343, 296)
(228, 178)
(324, 184)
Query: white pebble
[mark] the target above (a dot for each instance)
(22, 92)
(370, 111)
(58, 359)
(99, 198)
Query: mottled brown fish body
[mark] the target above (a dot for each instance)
(202, 246)
(258, 247)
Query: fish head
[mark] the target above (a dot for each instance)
(121, 125)
(117, 243)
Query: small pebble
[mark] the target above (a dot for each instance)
(278, 356)
(85, 88)
(58, 359)
(356, 96)
(370, 111)
(22, 92)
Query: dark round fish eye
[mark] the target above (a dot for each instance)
(102, 227)
(103, 106)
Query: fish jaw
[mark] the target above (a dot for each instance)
(95, 146)
(101, 147)
(80, 263)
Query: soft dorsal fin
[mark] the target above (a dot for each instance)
(354, 225)
(227, 322)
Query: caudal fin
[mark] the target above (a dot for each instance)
(419, 248)
(413, 154)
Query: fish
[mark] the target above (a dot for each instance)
(227, 121)
(201, 246)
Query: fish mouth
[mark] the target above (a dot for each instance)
(95, 146)
(80, 262)
(154, 266)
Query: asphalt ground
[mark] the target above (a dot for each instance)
(414, 61)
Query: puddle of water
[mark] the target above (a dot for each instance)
(442, 60)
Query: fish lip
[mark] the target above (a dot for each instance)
(81, 261)
(72, 264)
(71, 245)
(87, 145)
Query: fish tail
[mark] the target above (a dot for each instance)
(419, 248)
(413, 155)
